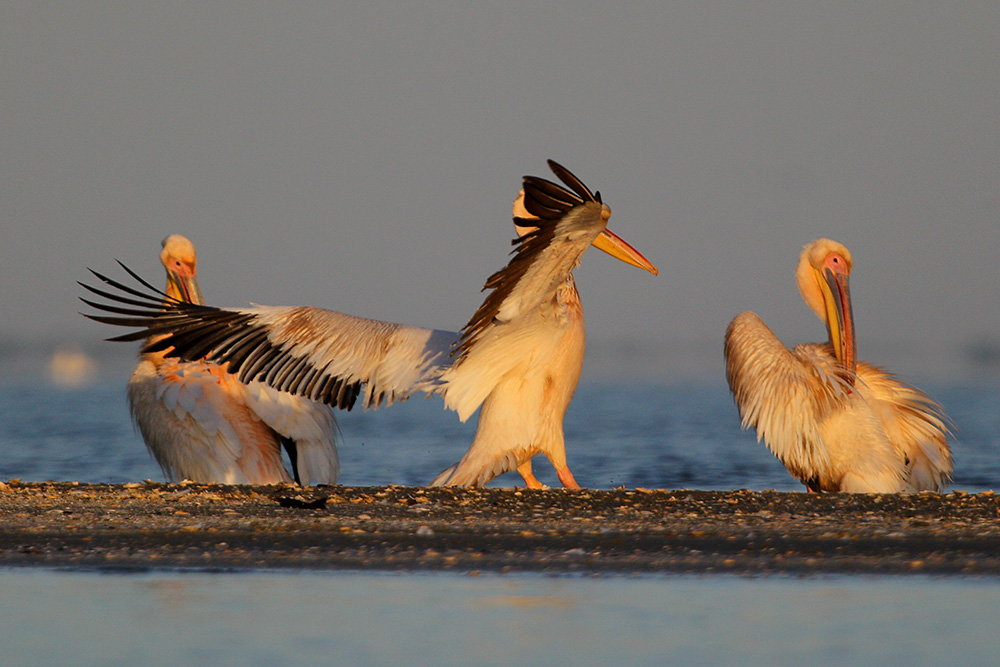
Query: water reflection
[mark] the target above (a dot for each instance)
(308, 618)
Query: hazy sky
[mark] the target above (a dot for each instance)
(364, 157)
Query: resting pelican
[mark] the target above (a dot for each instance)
(838, 424)
(519, 357)
(200, 423)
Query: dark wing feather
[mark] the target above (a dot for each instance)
(567, 177)
(550, 203)
(310, 352)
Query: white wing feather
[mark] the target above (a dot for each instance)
(774, 389)
(393, 361)
(312, 426)
(182, 415)
(915, 424)
(573, 234)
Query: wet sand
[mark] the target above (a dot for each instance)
(214, 527)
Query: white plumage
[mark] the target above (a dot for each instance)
(200, 423)
(836, 423)
(518, 358)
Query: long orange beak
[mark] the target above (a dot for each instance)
(841, 320)
(617, 247)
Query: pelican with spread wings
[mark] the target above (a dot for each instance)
(201, 424)
(518, 359)
(838, 424)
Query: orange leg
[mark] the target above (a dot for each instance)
(529, 477)
(567, 479)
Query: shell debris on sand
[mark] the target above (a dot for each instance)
(150, 525)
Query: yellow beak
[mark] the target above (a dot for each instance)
(617, 247)
(840, 318)
(186, 287)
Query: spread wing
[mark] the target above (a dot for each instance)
(514, 321)
(319, 354)
(563, 225)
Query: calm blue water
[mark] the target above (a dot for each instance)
(633, 434)
(370, 619)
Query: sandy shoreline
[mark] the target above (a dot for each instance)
(151, 525)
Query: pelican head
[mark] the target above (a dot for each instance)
(181, 263)
(607, 240)
(823, 272)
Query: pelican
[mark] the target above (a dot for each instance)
(518, 358)
(838, 424)
(200, 423)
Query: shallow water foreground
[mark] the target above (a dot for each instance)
(163, 618)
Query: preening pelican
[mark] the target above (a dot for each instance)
(838, 424)
(519, 357)
(200, 423)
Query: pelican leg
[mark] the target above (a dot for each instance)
(529, 477)
(567, 479)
